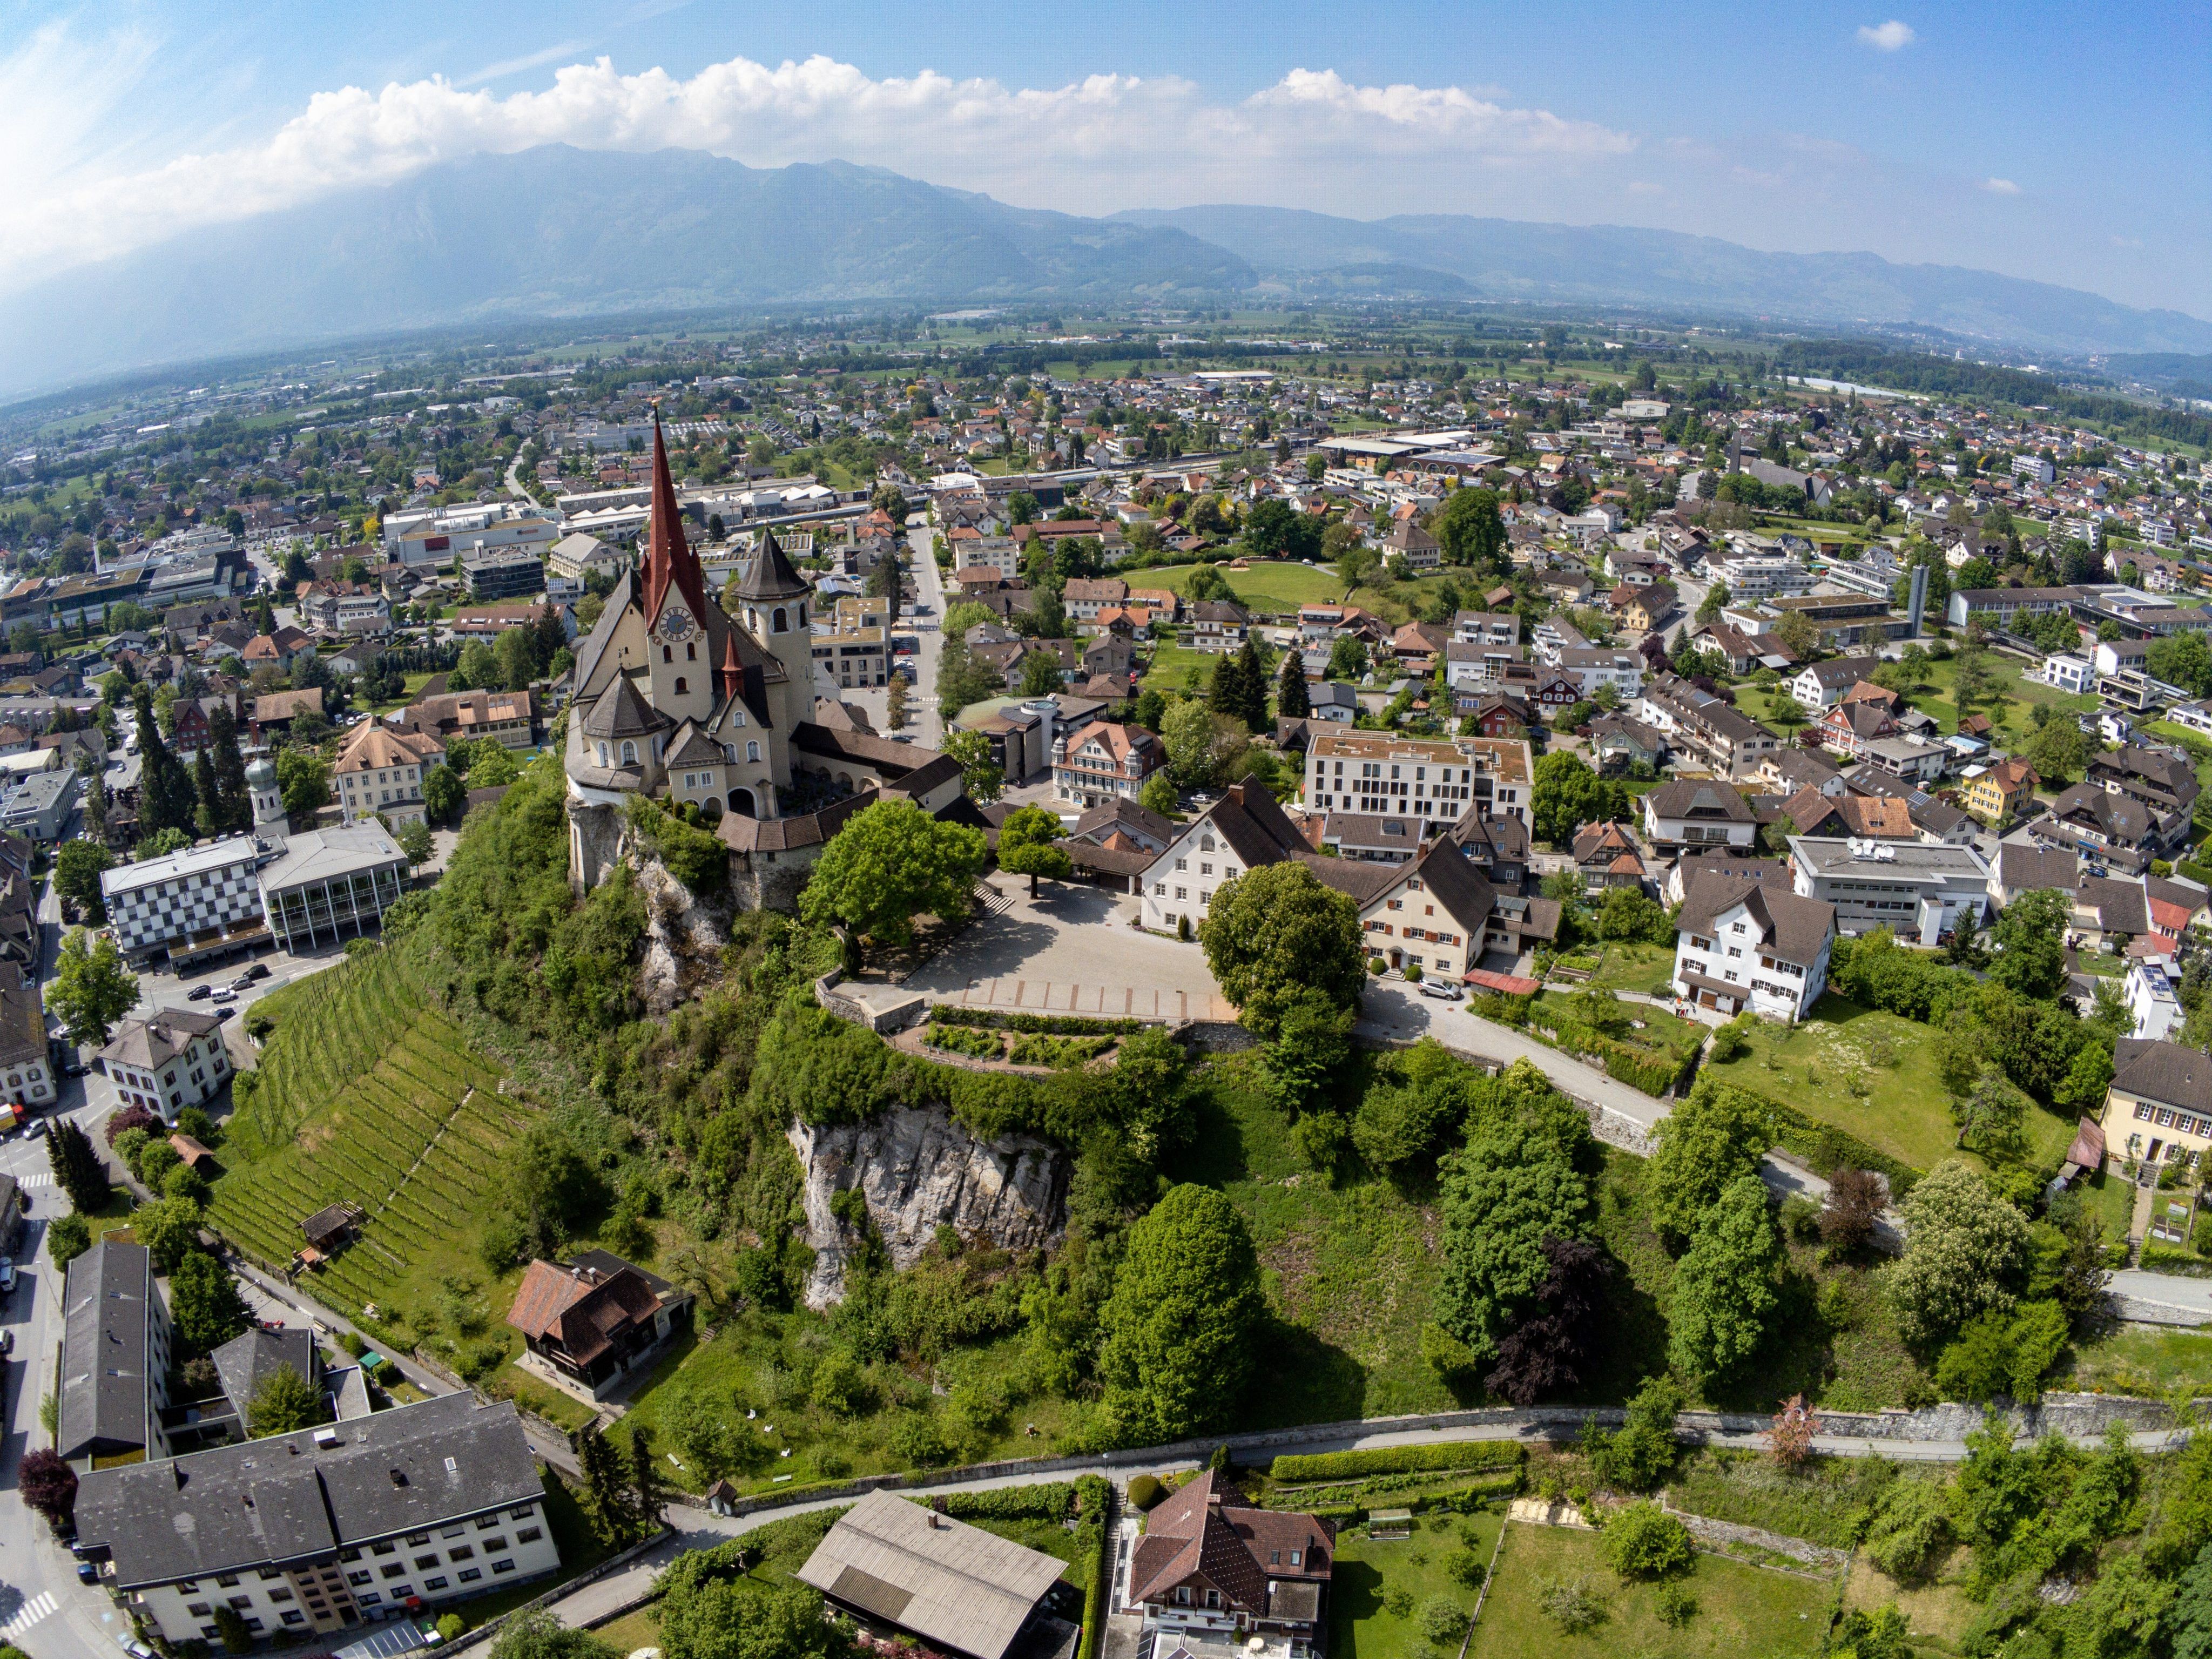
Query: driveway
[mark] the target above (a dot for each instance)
(1071, 950)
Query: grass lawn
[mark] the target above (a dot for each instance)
(1939, 1612)
(511, 1382)
(1380, 1588)
(1646, 967)
(1178, 667)
(2144, 1360)
(1741, 1609)
(1872, 1075)
(1270, 585)
(639, 1628)
(1351, 1269)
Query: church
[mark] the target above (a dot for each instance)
(681, 698)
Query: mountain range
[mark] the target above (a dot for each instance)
(557, 232)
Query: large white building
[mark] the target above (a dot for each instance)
(1918, 891)
(379, 774)
(1741, 945)
(317, 1532)
(188, 897)
(173, 1061)
(1391, 777)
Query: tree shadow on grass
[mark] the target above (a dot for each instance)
(1298, 1377)
(1796, 1357)
(1213, 1152)
(1355, 1592)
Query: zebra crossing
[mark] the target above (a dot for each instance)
(38, 1607)
(43, 1178)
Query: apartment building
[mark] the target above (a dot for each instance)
(307, 1534)
(380, 774)
(1744, 944)
(174, 1059)
(1105, 761)
(156, 904)
(1919, 892)
(114, 1359)
(1751, 577)
(1386, 775)
(1705, 727)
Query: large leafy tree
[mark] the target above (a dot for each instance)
(1966, 1252)
(91, 989)
(2030, 944)
(1275, 932)
(284, 1402)
(1724, 1285)
(1548, 1354)
(1567, 794)
(981, 777)
(711, 1607)
(1471, 530)
(1029, 845)
(538, 1633)
(1521, 1177)
(889, 864)
(303, 779)
(204, 1299)
(1180, 1329)
(1706, 1144)
(78, 866)
(46, 1484)
(1194, 739)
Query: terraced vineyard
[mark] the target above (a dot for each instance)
(330, 1028)
(415, 1140)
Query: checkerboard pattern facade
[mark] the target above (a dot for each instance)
(148, 917)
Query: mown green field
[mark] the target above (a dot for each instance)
(1274, 586)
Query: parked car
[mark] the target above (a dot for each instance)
(239, 983)
(199, 993)
(7, 1274)
(1442, 990)
(7, 1342)
(87, 1572)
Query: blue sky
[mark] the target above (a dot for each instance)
(2068, 144)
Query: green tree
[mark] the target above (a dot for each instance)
(1347, 658)
(2189, 1622)
(1471, 530)
(168, 1228)
(68, 1237)
(445, 797)
(414, 840)
(606, 1492)
(648, 1490)
(517, 659)
(1626, 913)
(2030, 938)
(2058, 750)
(167, 800)
(1521, 1178)
(891, 863)
(1159, 796)
(1567, 795)
(476, 670)
(205, 1301)
(1029, 845)
(208, 817)
(91, 989)
(77, 1168)
(1642, 1541)
(78, 866)
(303, 779)
(1312, 1041)
(1292, 701)
(1274, 932)
(981, 777)
(1180, 1327)
(1724, 1285)
(285, 1402)
(538, 1633)
(713, 1607)
(1966, 1252)
(1041, 676)
(1706, 1143)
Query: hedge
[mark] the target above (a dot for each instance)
(1049, 1502)
(1048, 1024)
(1092, 1555)
(2174, 1259)
(982, 1045)
(1399, 1460)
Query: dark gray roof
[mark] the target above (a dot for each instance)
(105, 1394)
(1704, 798)
(622, 712)
(770, 576)
(2163, 1071)
(2024, 869)
(2121, 907)
(291, 1497)
(1796, 929)
(245, 1362)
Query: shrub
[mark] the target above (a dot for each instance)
(1675, 1606)
(1049, 1024)
(1572, 1604)
(450, 1626)
(1413, 977)
(1052, 1501)
(1396, 1460)
(1443, 1621)
(1644, 1541)
(1145, 1491)
(981, 1045)
(1466, 1567)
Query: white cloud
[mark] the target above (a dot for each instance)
(506, 66)
(1893, 36)
(1091, 137)
(2000, 187)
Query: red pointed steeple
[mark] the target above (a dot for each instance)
(669, 559)
(732, 671)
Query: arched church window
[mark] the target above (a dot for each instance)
(680, 687)
(780, 623)
(752, 751)
(629, 752)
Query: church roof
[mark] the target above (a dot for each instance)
(691, 747)
(770, 576)
(669, 560)
(623, 713)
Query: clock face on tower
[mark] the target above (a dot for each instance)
(676, 625)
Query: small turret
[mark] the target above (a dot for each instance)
(268, 814)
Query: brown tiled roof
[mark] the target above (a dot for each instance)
(581, 1310)
(1208, 1530)
(1793, 928)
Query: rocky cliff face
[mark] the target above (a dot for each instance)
(683, 937)
(918, 1171)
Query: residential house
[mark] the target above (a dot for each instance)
(2153, 1001)
(2163, 782)
(1485, 627)
(1877, 817)
(273, 716)
(2158, 1109)
(1683, 873)
(1619, 743)
(590, 1321)
(27, 1067)
(1651, 608)
(1705, 726)
(1215, 1571)
(1083, 598)
(1698, 813)
(1821, 685)
(1996, 794)
(2110, 829)
(380, 774)
(1217, 625)
(1851, 728)
(2108, 913)
(1747, 945)
(1411, 549)
(1366, 839)
(1594, 668)
(1607, 855)
(509, 717)
(173, 1060)
(115, 1354)
(1388, 775)
(1437, 913)
(1104, 761)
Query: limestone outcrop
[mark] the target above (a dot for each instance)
(918, 1170)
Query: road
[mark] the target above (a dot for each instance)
(927, 627)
